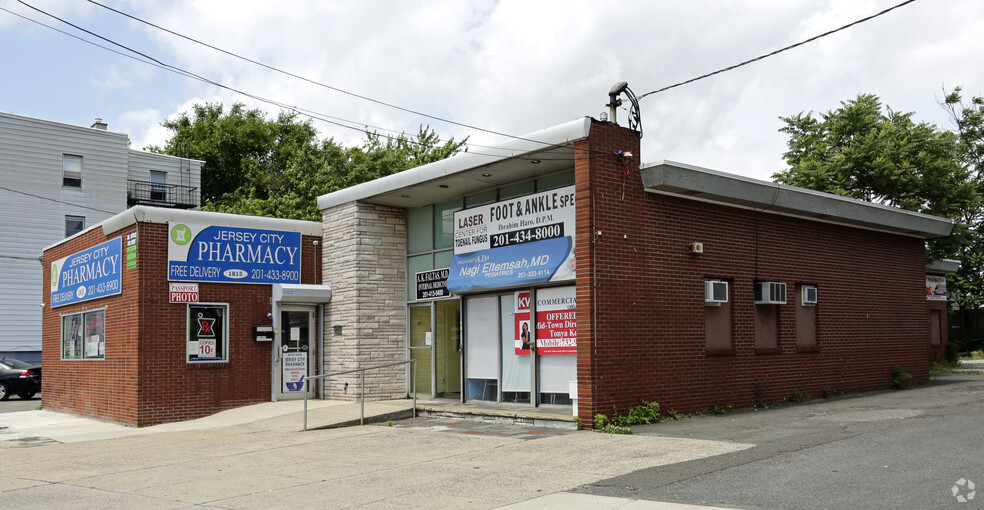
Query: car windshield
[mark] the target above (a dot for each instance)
(15, 363)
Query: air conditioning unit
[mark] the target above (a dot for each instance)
(715, 292)
(770, 293)
(809, 297)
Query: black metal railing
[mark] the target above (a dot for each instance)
(161, 195)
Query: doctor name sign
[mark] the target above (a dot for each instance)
(211, 253)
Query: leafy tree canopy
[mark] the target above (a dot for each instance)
(868, 151)
(258, 166)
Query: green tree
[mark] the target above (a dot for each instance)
(868, 151)
(279, 167)
(865, 151)
(966, 286)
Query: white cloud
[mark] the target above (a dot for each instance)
(517, 66)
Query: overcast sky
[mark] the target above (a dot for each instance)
(513, 66)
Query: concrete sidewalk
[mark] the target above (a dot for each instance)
(257, 457)
(283, 416)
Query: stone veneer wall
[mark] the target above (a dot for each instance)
(364, 261)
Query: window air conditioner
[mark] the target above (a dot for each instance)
(809, 297)
(770, 293)
(715, 292)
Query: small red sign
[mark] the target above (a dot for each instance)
(183, 293)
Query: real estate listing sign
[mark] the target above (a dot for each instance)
(515, 242)
(556, 321)
(212, 253)
(89, 274)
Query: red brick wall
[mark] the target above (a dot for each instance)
(144, 378)
(640, 296)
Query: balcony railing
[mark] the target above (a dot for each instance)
(161, 195)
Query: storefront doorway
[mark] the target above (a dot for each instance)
(435, 342)
(296, 351)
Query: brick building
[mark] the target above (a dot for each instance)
(663, 282)
(553, 270)
(149, 318)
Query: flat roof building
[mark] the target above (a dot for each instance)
(554, 270)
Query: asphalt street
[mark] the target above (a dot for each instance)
(16, 404)
(916, 448)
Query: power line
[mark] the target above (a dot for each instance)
(767, 55)
(359, 126)
(147, 59)
(311, 81)
(55, 201)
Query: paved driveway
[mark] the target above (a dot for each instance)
(916, 448)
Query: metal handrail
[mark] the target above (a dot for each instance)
(362, 393)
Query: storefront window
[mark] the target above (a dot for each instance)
(84, 335)
(208, 340)
(420, 230)
(516, 190)
(555, 181)
(485, 197)
(415, 265)
(443, 258)
(444, 223)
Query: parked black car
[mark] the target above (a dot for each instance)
(20, 378)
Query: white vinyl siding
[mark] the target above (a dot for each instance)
(35, 204)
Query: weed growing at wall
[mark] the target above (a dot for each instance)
(800, 396)
(900, 377)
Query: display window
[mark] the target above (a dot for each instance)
(83, 335)
(208, 339)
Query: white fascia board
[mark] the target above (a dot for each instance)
(521, 146)
(696, 183)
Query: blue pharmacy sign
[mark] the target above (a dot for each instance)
(212, 253)
(89, 274)
(518, 242)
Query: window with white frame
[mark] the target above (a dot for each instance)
(208, 339)
(83, 335)
(71, 171)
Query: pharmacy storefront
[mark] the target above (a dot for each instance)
(171, 315)
(494, 316)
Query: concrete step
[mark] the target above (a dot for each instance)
(514, 414)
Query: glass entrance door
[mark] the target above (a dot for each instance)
(435, 342)
(448, 348)
(296, 355)
(421, 347)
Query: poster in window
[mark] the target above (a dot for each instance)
(935, 288)
(94, 340)
(206, 333)
(556, 321)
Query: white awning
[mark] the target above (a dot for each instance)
(301, 293)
